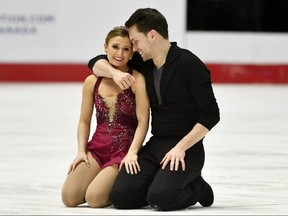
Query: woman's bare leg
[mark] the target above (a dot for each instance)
(97, 194)
(77, 182)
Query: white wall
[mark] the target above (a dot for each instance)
(72, 30)
(246, 47)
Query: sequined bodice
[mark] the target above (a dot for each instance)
(116, 111)
(116, 122)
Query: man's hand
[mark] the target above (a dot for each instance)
(102, 68)
(174, 156)
(123, 80)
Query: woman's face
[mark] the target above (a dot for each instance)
(119, 50)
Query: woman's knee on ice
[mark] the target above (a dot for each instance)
(71, 199)
(97, 200)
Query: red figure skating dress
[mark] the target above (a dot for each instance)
(116, 125)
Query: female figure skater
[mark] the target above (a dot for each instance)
(122, 124)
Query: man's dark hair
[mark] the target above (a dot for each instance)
(147, 19)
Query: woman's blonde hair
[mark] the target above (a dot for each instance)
(121, 31)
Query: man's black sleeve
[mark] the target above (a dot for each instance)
(93, 60)
(136, 62)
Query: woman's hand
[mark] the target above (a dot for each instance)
(131, 163)
(81, 157)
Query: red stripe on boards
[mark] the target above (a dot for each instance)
(43, 72)
(221, 73)
(249, 73)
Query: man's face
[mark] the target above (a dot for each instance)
(141, 42)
